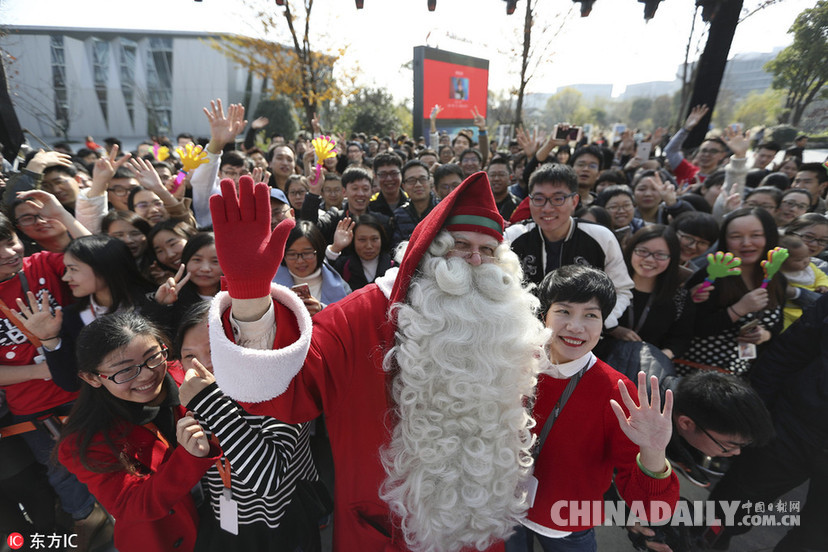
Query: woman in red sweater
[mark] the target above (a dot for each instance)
(584, 432)
(129, 439)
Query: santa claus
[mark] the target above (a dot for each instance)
(422, 376)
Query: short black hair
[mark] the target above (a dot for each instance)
(771, 191)
(354, 174)
(449, 168)
(818, 168)
(725, 404)
(415, 163)
(577, 284)
(595, 151)
(769, 145)
(385, 159)
(554, 173)
(233, 158)
(501, 160)
(699, 224)
(474, 152)
(611, 191)
(612, 175)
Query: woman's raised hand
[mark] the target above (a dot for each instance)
(167, 293)
(344, 235)
(647, 426)
(192, 437)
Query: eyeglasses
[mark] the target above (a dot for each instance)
(293, 255)
(28, 220)
(644, 253)
(119, 191)
(147, 204)
(725, 450)
(233, 173)
(795, 205)
(622, 207)
(765, 206)
(498, 174)
(132, 372)
(388, 174)
(585, 165)
(412, 180)
(810, 238)
(557, 200)
(691, 241)
(465, 250)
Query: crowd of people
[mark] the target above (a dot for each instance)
(486, 329)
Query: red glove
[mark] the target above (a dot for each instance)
(249, 253)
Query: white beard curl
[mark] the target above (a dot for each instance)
(466, 352)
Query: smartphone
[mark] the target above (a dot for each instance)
(643, 151)
(570, 134)
(736, 127)
(302, 290)
(747, 328)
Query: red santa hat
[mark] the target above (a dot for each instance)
(469, 208)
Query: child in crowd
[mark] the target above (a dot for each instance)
(801, 273)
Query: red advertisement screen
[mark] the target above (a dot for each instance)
(456, 88)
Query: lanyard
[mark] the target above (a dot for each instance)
(224, 470)
(550, 421)
(630, 316)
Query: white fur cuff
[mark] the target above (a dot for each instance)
(251, 375)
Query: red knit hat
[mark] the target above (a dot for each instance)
(469, 208)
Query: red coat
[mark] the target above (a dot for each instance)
(584, 447)
(153, 511)
(343, 376)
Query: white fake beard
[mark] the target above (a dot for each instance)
(466, 351)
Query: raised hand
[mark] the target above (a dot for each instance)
(47, 204)
(43, 159)
(479, 120)
(736, 141)
(526, 143)
(167, 293)
(224, 129)
(260, 175)
(105, 169)
(666, 189)
(315, 127)
(146, 174)
(197, 378)
(435, 111)
(647, 426)
(38, 316)
(343, 235)
(192, 437)
(260, 122)
(248, 251)
(695, 117)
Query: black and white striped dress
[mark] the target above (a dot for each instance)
(268, 458)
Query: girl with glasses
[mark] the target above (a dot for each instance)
(361, 251)
(130, 440)
(304, 263)
(661, 311)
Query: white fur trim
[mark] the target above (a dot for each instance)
(251, 375)
(386, 281)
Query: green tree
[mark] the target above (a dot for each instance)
(801, 68)
(561, 107)
(760, 108)
(281, 117)
(663, 111)
(640, 110)
(371, 111)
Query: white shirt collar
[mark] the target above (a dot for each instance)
(567, 369)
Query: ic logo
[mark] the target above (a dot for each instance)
(15, 541)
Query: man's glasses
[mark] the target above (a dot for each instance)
(557, 200)
(412, 180)
(810, 238)
(28, 220)
(617, 208)
(725, 450)
(132, 372)
(384, 175)
(691, 241)
(293, 255)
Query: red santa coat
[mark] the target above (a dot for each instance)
(153, 510)
(342, 376)
(43, 272)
